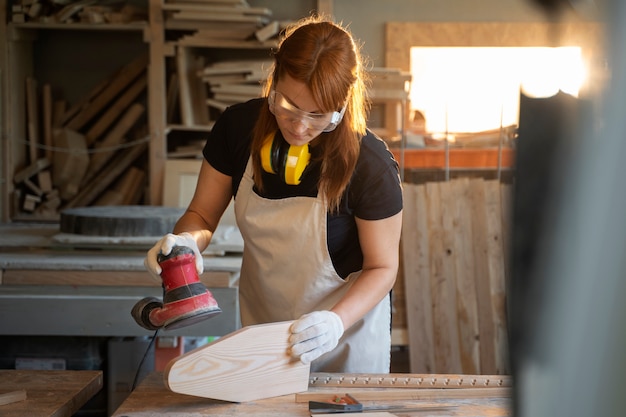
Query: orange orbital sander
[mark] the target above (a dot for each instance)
(186, 300)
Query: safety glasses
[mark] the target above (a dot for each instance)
(283, 109)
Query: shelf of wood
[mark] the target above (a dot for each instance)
(224, 43)
(458, 158)
(133, 26)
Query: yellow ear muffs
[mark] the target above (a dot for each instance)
(287, 161)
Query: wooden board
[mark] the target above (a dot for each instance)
(247, 365)
(454, 275)
(49, 393)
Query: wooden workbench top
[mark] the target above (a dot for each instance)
(48, 393)
(151, 398)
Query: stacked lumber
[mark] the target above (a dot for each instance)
(88, 153)
(454, 241)
(221, 23)
(79, 11)
(199, 90)
(231, 82)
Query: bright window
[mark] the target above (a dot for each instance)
(473, 89)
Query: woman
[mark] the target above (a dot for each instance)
(318, 202)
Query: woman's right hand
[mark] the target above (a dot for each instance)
(164, 246)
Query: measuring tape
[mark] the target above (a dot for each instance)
(409, 381)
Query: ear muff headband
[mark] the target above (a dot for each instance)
(287, 161)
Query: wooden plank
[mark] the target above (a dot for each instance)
(125, 191)
(481, 271)
(171, 102)
(446, 288)
(49, 393)
(467, 310)
(32, 169)
(222, 17)
(84, 102)
(12, 397)
(114, 111)
(47, 120)
(157, 153)
(506, 202)
(254, 357)
(261, 11)
(495, 260)
(183, 62)
(416, 257)
(268, 31)
(118, 165)
(121, 81)
(441, 346)
(199, 92)
(32, 115)
(112, 139)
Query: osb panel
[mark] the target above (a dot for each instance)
(401, 36)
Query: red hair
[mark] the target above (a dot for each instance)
(325, 57)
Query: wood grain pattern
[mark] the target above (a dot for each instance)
(249, 364)
(483, 293)
(466, 307)
(416, 281)
(49, 393)
(12, 397)
(454, 271)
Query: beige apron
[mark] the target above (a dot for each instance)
(287, 272)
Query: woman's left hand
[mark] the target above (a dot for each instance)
(314, 334)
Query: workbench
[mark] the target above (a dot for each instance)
(58, 288)
(48, 393)
(151, 398)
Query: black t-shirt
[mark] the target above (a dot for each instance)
(374, 191)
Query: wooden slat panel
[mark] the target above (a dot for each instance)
(495, 257)
(454, 273)
(467, 310)
(416, 280)
(448, 284)
(481, 270)
(442, 321)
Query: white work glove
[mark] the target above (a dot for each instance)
(164, 246)
(314, 334)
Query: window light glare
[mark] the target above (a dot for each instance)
(472, 89)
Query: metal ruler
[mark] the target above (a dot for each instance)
(409, 381)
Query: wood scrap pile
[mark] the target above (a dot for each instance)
(454, 252)
(83, 11)
(87, 154)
